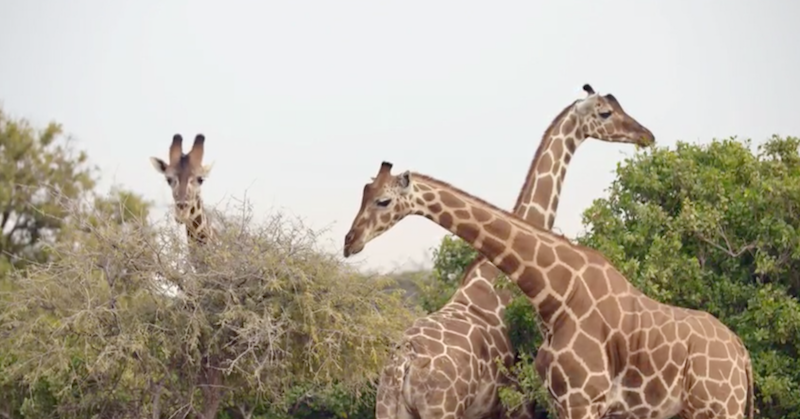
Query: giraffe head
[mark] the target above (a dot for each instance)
(602, 117)
(185, 174)
(385, 201)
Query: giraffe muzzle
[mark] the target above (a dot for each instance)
(352, 245)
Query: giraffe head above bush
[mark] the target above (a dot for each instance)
(185, 174)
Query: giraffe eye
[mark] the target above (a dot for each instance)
(171, 181)
(200, 180)
(605, 115)
(383, 202)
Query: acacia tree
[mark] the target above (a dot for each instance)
(712, 227)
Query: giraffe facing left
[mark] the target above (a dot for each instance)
(185, 174)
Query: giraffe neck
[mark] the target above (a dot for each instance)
(537, 201)
(198, 229)
(514, 247)
(537, 204)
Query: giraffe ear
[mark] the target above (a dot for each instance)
(404, 179)
(586, 106)
(158, 164)
(206, 169)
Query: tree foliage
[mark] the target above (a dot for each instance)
(711, 227)
(33, 163)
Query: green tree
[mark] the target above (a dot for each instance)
(38, 167)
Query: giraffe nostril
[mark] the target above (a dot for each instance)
(349, 237)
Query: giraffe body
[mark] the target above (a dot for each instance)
(469, 332)
(609, 350)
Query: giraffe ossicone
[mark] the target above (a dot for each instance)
(537, 204)
(609, 349)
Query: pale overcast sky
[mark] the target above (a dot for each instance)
(300, 101)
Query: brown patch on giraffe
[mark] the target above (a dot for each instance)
(544, 189)
(499, 228)
(596, 280)
(559, 278)
(455, 340)
(450, 402)
(462, 214)
(446, 220)
(595, 326)
(617, 353)
(654, 338)
(670, 331)
(435, 208)
(558, 381)
(469, 232)
(531, 282)
(670, 373)
(595, 386)
(609, 308)
(431, 333)
(568, 125)
(459, 326)
(570, 257)
(481, 215)
(499, 340)
(481, 295)
(719, 369)
(661, 357)
(524, 245)
(431, 346)
(535, 218)
(580, 301)
(716, 349)
(684, 331)
(451, 201)
(510, 263)
(543, 165)
(632, 378)
(417, 201)
(542, 361)
(589, 351)
(429, 196)
(565, 329)
(647, 320)
(571, 145)
(618, 283)
(632, 398)
(641, 360)
(445, 366)
(548, 307)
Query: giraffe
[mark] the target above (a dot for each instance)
(595, 116)
(609, 350)
(185, 174)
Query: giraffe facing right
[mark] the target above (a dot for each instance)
(609, 350)
(475, 313)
